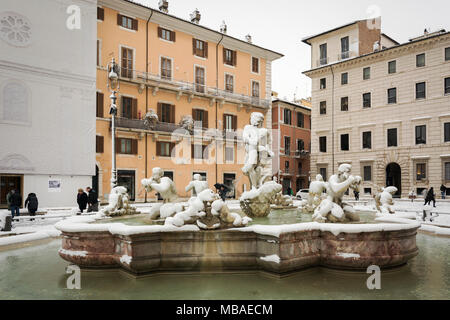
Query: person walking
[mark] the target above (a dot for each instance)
(92, 200)
(8, 199)
(443, 191)
(16, 201)
(31, 203)
(222, 190)
(430, 197)
(82, 200)
(356, 193)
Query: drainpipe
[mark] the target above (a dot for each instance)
(146, 96)
(332, 118)
(217, 90)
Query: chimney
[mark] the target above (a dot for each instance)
(223, 28)
(195, 16)
(163, 6)
(248, 38)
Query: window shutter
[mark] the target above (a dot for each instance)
(172, 36)
(100, 13)
(134, 114)
(119, 19)
(193, 46)
(172, 114)
(158, 148)
(234, 122)
(192, 151)
(134, 146)
(205, 48)
(224, 121)
(118, 141)
(205, 122)
(99, 143)
(224, 55)
(99, 105)
(135, 24)
(159, 32)
(159, 111)
(234, 58)
(171, 146)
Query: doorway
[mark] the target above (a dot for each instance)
(95, 180)
(8, 183)
(126, 178)
(286, 186)
(394, 177)
(229, 181)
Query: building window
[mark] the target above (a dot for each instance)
(367, 140)
(392, 137)
(300, 120)
(421, 134)
(345, 142)
(420, 60)
(286, 165)
(164, 149)
(344, 104)
(255, 89)
(229, 83)
(200, 48)
(287, 146)
(99, 105)
(420, 90)
(323, 107)
(323, 83)
(100, 14)
(323, 173)
(447, 171)
(368, 191)
(300, 145)
(127, 63)
(166, 113)
(230, 122)
(200, 118)
(99, 143)
(344, 78)
(229, 154)
(199, 151)
(392, 67)
(200, 79)
(287, 114)
(367, 100)
(447, 132)
(299, 168)
(126, 146)
(421, 171)
(367, 173)
(447, 86)
(345, 47)
(229, 57)
(129, 108)
(127, 22)
(366, 73)
(447, 54)
(392, 95)
(323, 144)
(166, 34)
(98, 52)
(323, 54)
(166, 68)
(255, 65)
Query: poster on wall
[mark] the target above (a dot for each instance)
(54, 185)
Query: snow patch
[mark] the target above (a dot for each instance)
(73, 253)
(272, 258)
(125, 259)
(348, 255)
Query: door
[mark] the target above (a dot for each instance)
(95, 181)
(229, 180)
(127, 179)
(8, 183)
(286, 186)
(394, 178)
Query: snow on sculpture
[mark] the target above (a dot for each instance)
(384, 201)
(119, 203)
(197, 185)
(317, 191)
(151, 119)
(332, 208)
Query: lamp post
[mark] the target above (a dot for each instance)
(113, 85)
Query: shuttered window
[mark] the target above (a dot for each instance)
(230, 122)
(200, 118)
(129, 108)
(100, 14)
(164, 149)
(99, 106)
(127, 63)
(166, 113)
(99, 142)
(229, 83)
(255, 89)
(127, 22)
(300, 120)
(166, 34)
(166, 68)
(229, 57)
(200, 79)
(200, 48)
(126, 146)
(255, 65)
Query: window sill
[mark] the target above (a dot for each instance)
(126, 29)
(199, 57)
(165, 40)
(229, 65)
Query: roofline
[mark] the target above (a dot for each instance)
(292, 104)
(385, 35)
(305, 40)
(279, 55)
(372, 53)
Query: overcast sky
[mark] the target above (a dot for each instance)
(280, 25)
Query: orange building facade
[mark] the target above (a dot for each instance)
(292, 132)
(175, 68)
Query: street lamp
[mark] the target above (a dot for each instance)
(113, 85)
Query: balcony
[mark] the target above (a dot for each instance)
(301, 154)
(322, 62)
(345, 55)
(191, 88)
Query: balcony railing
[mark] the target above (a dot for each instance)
(345, 55)
(194, 88)
(322, 62)
(301, 154)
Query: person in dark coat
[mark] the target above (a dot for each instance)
(430, 197)
(222, 190)
(31, 203)
(16, 202)
(356, 194)
(82, 200)
(443, 191)
(92, 200)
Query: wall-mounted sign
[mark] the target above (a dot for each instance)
(54, 185)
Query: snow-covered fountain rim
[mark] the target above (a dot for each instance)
(85, 224)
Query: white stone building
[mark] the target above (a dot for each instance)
(47, 98)
(381, 106)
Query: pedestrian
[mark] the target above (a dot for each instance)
(222, 189)
(443, 191)
(356, 193)
(16, 202)
(82, 200)
(92, 200)
(31, 203)
(289, 191)
(8, 199)
(430, 197)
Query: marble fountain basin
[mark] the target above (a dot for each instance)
(142, 249)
